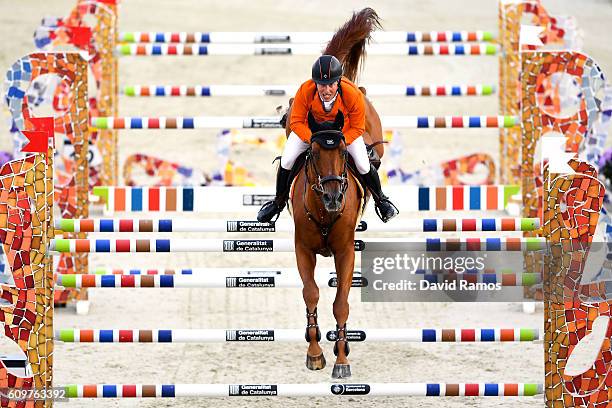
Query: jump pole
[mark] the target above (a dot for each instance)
(299, 37)
(485, 335)
(303, 390)
(273, 122)
(283, 245)
(132, 225)
(249, 199)
(273, 278)
(288, 90)
(452, 49)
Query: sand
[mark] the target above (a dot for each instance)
(283, 308)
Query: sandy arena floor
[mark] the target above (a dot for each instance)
(283, 308)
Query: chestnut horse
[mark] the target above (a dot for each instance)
(327, 199)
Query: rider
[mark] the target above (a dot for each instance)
(327, 93)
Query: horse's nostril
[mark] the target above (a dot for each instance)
(326, 197)
(340, 197)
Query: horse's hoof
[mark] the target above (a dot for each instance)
(316, 362)
(341, 371)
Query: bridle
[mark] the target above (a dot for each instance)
(324, 139)
(317, 186)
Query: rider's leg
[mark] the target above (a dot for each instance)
(359, 153)
(293, 148)
(357, 150)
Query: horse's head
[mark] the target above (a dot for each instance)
(327, 160)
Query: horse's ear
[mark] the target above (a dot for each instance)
(291, 101)
(363, 90)
(339, 121)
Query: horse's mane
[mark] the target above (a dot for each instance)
(349, 42)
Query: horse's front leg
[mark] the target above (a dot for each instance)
(345, 263)
(306, 262)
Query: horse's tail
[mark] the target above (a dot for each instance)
(349, 42)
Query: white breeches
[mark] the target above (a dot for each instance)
(295, 146)
(359, 153)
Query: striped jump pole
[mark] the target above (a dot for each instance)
(199, 278)
(249, 199)
(284, 245)
(291, 273)
(302, 390)
(493, 335)
(273, 122)
(245, 226)
(452, 49)
(288, 90)
(299, 37)
(279, 278)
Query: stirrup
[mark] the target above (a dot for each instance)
(379, 213)
(343, 338)
(311, 325)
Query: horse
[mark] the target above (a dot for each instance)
(327, 199)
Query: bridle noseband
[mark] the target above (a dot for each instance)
(317, 186)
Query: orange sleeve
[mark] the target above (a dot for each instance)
(356, 116)
(298, 122)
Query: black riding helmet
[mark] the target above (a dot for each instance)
(326, 70)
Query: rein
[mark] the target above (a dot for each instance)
(317, 187)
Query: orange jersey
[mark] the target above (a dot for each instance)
(350, 101)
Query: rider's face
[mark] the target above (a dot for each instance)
(327, 92)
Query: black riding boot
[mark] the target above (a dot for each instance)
(273, 208)
(384, 207)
